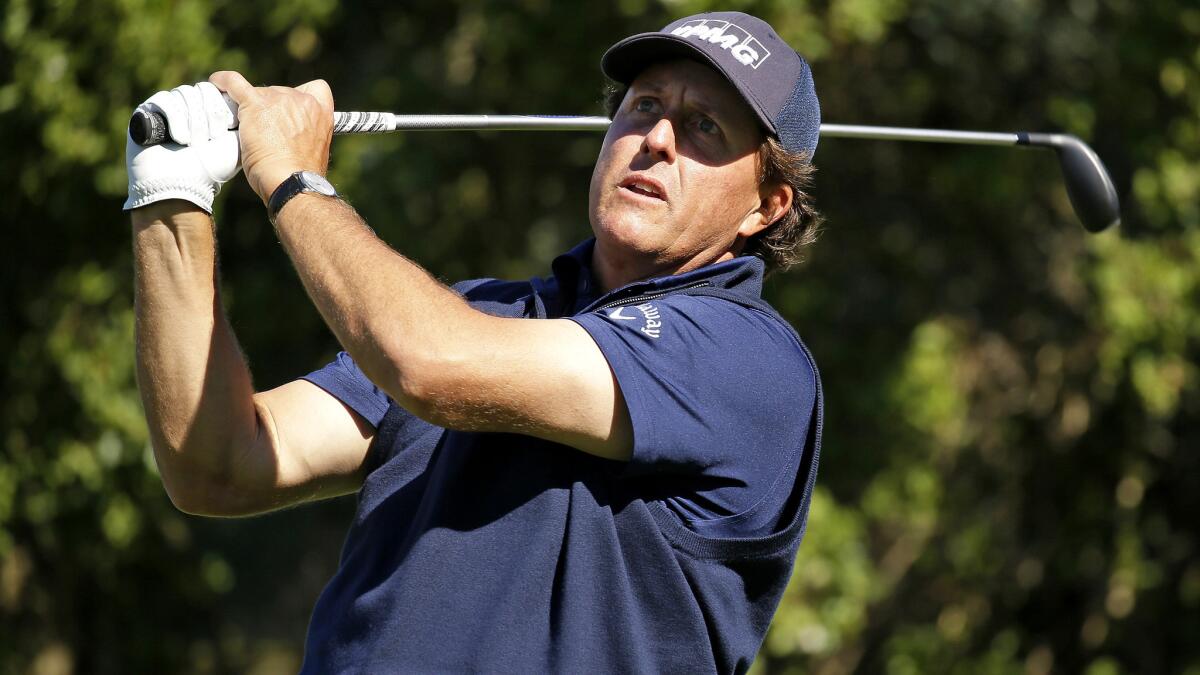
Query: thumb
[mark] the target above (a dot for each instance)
(231, 82)
(319, 89)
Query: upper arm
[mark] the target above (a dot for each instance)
(309, 445)
(543, 378)
(682, 384)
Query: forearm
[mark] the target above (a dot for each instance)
(194, 382)
(444, 361)
(400, 324)
(411, 335)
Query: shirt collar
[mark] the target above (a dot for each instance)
(573, 276)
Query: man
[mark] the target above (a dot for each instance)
(620, 484)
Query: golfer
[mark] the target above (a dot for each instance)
(605, 469)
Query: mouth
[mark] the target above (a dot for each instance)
(644, 186)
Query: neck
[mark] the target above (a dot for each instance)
(612, 271)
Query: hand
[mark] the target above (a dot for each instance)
(282, 130)
(203, 157)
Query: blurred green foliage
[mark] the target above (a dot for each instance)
(1010, 476)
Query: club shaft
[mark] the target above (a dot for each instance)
(925, 135)
(356, 122)
(1087, 181)
(375, 122)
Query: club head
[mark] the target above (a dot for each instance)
(1088, 185)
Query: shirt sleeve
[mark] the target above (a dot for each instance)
(346, 382)
(720, 397)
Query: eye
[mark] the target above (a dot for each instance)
(645, 105)
(707, 126)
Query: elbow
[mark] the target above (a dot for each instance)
(393, 367)
(189, 499)
(195, 497)
(189, 504)
(209, 502)
(196, 491)
(421, 381)
(225, 465)
(429, 372)
(435, 386)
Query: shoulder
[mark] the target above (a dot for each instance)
(705, 344)
(750, 320)
(759, 345)
(701, 320)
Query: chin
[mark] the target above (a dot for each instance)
(627, 233)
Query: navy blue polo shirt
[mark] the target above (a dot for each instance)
(502, 552)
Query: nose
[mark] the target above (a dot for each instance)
(660, 141)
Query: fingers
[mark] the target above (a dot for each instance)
(318, 89)
(239, 89)
(232, 83)
(200, 112)
(173, 107)
(193, 100)
(280, 129)
(220, 111)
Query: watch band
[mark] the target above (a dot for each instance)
(301, 181)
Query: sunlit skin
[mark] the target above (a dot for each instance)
(675, 186)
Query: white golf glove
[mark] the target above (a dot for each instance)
(204, 156)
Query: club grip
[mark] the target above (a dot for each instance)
(363, 122)
(150, 128)
(147, 128)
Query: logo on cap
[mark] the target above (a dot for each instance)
(727, 35)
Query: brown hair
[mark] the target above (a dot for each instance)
(782, 243)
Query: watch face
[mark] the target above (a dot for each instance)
(317, 183)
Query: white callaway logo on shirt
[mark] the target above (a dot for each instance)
(747, 50)
(652, 320)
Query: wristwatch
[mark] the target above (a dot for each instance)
(301, 181)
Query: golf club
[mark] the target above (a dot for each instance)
(1088, 185)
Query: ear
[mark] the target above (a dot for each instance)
(774, 202)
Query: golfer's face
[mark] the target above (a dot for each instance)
(677, 173)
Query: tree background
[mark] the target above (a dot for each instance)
(1010, 475)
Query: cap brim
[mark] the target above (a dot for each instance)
(629, 57)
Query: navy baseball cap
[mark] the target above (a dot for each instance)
(771, 77)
